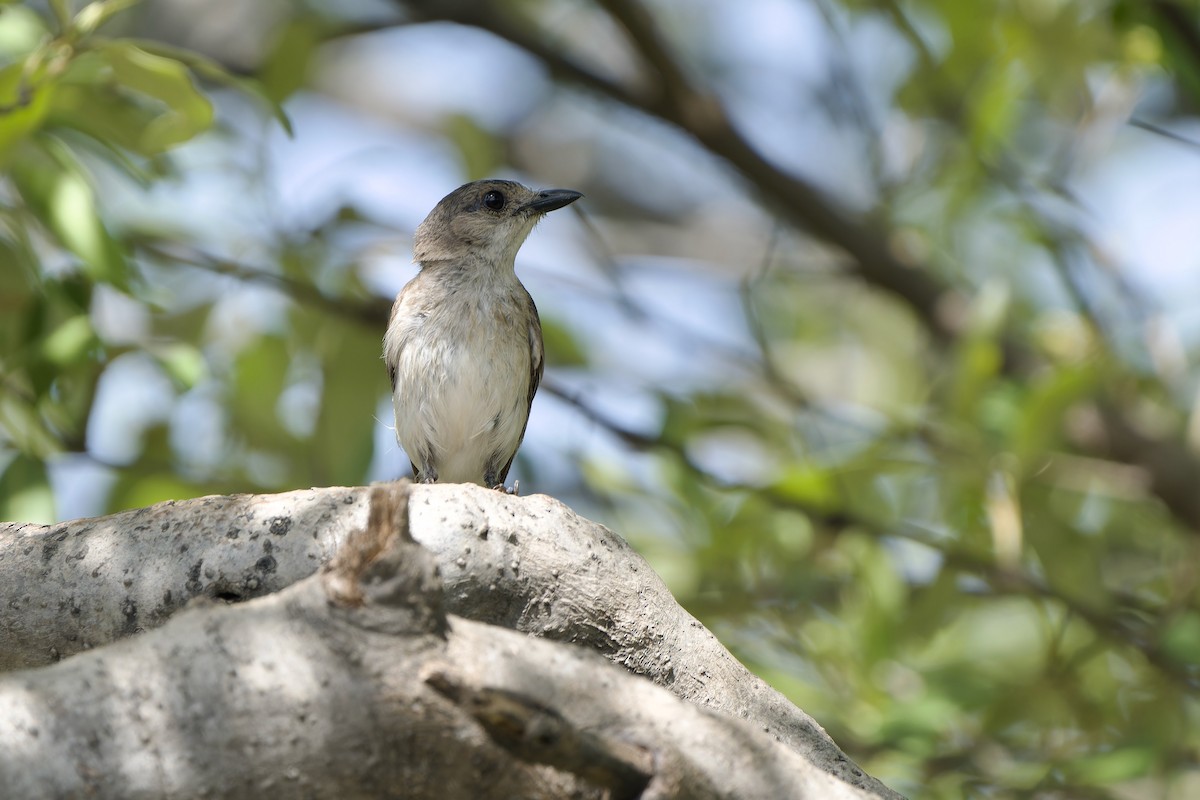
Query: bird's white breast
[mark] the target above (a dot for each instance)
(463, 374)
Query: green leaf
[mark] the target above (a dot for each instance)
(69, 342)
(1041, 417)
(24, 427)
(562, 348)
(183, 362)
(21, 31)
(17, 285)
(93, 15)
(211, 70)
(1114, 766)
(1182, 638)
(995, 100)
(354, 380)
(286, 67)
(57, 190)
(24, 106)
(139, 491)
(808, 486)
(62, 12)
(25, 494)
(186, 110)
(481, 152)
(88, 100)
(259, 378)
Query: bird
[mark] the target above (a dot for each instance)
(463, 345)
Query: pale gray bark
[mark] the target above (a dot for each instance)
(528, 563)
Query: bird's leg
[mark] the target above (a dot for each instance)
(426, 474)
(490, 478)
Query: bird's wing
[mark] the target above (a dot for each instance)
(537, 354)
(393, 346)
(393, 359)
(537, 367)
(393, 342)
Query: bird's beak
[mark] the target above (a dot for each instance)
(550, 199)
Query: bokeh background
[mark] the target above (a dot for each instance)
(876, 331)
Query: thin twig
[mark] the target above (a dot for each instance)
(371, 312)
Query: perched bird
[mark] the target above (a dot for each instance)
(464, 343)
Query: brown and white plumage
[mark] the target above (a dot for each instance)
(464, 344)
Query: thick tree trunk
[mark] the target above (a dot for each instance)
(346, 687)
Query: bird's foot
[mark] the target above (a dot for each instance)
(514, 490)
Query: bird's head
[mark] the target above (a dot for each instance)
(486, 220)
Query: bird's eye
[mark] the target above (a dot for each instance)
(494, 200)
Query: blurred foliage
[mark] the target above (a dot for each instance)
(950, 534)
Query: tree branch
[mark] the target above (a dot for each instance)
(702, 116)
(372, 312)
(356, 684)
(1116, 625)
(526, 563)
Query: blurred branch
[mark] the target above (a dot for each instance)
(766, 355)
(847, 90)
(1146, 125)
(1174, 470)
(606, 259)
(675, 100)
(672, 84)
(371, 312)
(1130, 623)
